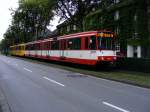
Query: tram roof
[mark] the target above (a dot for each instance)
(80, 34)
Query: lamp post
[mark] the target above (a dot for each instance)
(36, 32)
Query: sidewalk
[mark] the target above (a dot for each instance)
(4, 107)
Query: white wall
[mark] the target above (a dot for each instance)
(139, 51)
(129, 51)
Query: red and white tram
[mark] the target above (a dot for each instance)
(88, 48)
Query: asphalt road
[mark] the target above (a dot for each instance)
(31, 87)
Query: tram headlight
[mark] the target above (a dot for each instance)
(115, 58)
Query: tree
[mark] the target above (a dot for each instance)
(75, 10)
(29, 22)
(36, 15)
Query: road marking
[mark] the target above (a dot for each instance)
(115, 107)
(53, 81)
(27, 69)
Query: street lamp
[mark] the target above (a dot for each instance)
(36, 35)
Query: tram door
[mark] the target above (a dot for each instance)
(47, 46)
(36, 49)
(62, 48)
(41, 49)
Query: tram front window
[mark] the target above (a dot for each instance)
(105, 43)
(92, 43)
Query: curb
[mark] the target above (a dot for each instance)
(125, 82)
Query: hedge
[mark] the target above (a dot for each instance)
(134, 64)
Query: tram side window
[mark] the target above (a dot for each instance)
(22, 47)
(37, 46)
(48, 45)
(92, 43)
(61, 44)
(19, 47)
(55, 45)
(86, 43)
(77, 43)
(44, 46)
(29, 47)
(74, 44)
(64, 44)
(70, 43)
(26, 47)
(32, 47)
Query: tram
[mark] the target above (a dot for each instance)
(88, 48)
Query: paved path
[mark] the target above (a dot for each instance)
(31, 87)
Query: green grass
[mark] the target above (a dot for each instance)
(135, 78)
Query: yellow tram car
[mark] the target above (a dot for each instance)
(18, 50)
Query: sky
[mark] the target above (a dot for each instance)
(5, 16)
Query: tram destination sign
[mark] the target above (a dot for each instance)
(101, 34)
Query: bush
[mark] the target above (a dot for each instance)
(134, 64)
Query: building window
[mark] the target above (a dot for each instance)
(135, 35)
(92, 2)
(117, 47)
(135, 51)
(135, 17)
(117, 30)
(74, 27)
(61, 30)
(116, 16)
(148, 10)
(68, 28)
(93, 9)
(116, 1)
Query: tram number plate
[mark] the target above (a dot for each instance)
(93, 51)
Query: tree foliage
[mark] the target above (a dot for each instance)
(29, 21)
(32, 17)
(75, 10)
